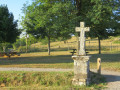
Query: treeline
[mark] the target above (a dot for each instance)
(53, 19)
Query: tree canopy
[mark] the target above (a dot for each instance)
(101, 15)
(8, 27)
(58, 18)
(50, 19)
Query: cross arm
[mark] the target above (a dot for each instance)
(87, 29)
(77, 29)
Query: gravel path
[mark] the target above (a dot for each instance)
(113, 78)
(35, 69)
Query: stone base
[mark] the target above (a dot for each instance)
(80, 82)
(81, 70)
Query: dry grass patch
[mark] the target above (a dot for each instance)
(91, 44)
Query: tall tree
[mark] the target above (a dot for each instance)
(8, 27)
(102, 19)
(117, 17)
(50, 19)
(100, 16)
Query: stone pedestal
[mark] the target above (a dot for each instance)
(81, 70)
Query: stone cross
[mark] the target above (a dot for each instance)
(82, 30)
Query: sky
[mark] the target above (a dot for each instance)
(15, 7)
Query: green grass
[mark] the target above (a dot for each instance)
(40, 61)
(59, 60)
(109, 61)
(45, 80)
(117, 42)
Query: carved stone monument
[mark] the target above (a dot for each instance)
(81, 61)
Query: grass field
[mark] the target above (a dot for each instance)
(59, 59)
(109, 45)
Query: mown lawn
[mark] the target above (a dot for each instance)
(59, 59)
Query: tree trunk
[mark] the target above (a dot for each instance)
(78, 43)
(48, 45)
(26, 44)
(99, 45)
(4, 48)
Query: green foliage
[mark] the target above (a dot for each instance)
(49, 19)
(5, 47)
(31, 40)
(57, 19)
(117, 31)
(44, 19)
(101, 18)
(8, 27)
(99, 15)
(19, 42)
(22, 49)
(117, 42)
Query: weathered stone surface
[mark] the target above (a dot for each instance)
(82, 29)
(81, 70)
(80, 82)
(81, 61)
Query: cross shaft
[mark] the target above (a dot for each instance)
(82, 29)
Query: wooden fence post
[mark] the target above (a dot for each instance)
(99, 65)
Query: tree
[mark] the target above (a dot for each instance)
(103, 19)
(117, 17)
(19, 42)
(8, 27)
(100, 16)
(50, 19)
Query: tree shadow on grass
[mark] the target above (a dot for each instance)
(56, 59)
(105, 57)
(37, 60)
